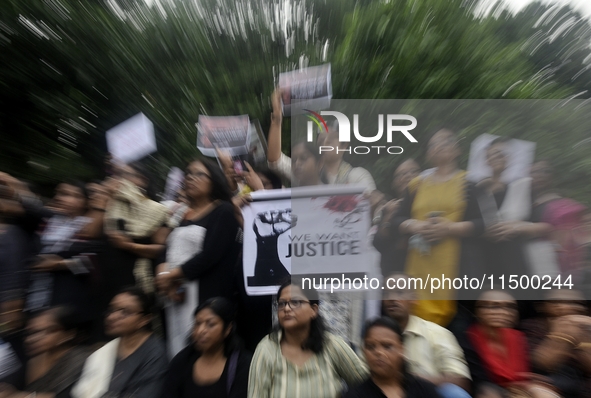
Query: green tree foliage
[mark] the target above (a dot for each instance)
(73, 69)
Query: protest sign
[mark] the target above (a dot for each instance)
(257, 144)
(520, 155)
(305, 232)
(131, 140)
(229, 133)
(174, 182)
(308, 88)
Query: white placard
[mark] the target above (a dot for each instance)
(228, 133)
(520, 156)
(308, 88)
(174, 182)
(308, 232)
(132, 140)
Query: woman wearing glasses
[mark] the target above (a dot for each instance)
(497, 353)
(201, 253)
(300, 359)
(134, 364)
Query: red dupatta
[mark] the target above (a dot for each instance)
(501, 369)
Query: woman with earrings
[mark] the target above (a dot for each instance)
(214, 364)
(384, 352)
(55, 361)
(134, 364)
(201, 253)
(300, 359)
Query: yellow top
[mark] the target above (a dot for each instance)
(449, 198)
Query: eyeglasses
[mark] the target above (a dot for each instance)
(293, 304)
(125, 313)
(197, 176)
(43, 332)
(498, 306)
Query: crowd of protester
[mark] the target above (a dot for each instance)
(106, 292)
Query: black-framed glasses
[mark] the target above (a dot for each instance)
(125, 313)
(199, 175)
(293, 304)
(43, 332)
(498, 306)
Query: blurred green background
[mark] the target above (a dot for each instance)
(71, 69)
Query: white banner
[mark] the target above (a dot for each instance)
(132, 140)
(308, 88)
(520, 156)
(312, 231)
(229, 133)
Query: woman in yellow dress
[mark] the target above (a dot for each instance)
(438, 213)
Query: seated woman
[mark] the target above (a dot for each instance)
(560, 343)
(213, 365)
(56, 363)
(134, 364)
(383, 350)
(300, 359)
(497, 353)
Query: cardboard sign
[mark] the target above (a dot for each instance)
(132, 140)
(308, 88)
(229, 133)
(257, 144)
(520, 156)
(312, 231)
(174, 182)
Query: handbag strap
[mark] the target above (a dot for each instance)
(232, 370)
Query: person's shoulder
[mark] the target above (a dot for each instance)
(269, 343)
(334, 342)
(417, 387)
(224, 207)
(431, 330)
(367, 389)
(155, 347)
(244, 358)
(516, 334)
(184, 356)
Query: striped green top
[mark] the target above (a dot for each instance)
(273, 376)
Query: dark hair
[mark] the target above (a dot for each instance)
(223, 308)
(146, 301)
(77, 184)
(66, 317)
(385, 322)
(316, 339)
(141, 169)
(498, 140)
(274, 178)
(310, 147)
(220, 190)
(389, 323)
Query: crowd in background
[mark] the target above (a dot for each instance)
(106, 292)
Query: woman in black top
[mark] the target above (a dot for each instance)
(212, 366)
(202, 252)
(382, 347)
